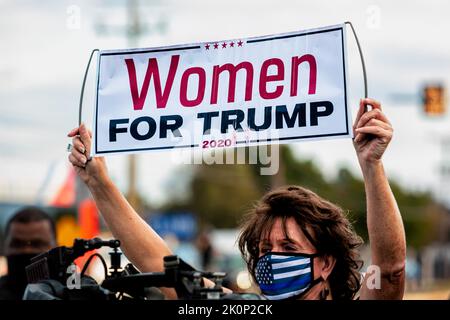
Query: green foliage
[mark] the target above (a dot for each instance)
(222, 194)
(348, 192)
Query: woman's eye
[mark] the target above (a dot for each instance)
(264, 250)
(289, 248)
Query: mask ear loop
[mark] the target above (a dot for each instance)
(366, 95)
(80, 106)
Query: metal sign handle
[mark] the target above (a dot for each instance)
(366, 94)
(80, 106)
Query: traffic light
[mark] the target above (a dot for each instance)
(434, 99)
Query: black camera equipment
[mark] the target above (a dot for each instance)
(49, 278)
(49, 275)
(54, 263)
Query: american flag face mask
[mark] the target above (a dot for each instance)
(282, 275)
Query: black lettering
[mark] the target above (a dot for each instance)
(236, 122)
(282, 115)
(267, 119)
(113, 130)
(315, 113)
(151, 128)
(207, 116)
(174, 127)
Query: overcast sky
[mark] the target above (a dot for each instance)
(45, 46)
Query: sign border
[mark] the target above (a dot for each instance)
(249, 41)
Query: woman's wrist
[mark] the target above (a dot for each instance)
(371, 168)
(99, 181)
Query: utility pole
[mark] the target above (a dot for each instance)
(134, 30)
(133, 33)
(444, 171)
(278, 179)
(444, 188)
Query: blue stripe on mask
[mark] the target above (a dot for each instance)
(287, 275)
(286, 286)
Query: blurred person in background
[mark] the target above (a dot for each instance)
(296, 244)
(28, 233)
(205, 248)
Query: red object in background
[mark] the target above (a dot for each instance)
(88, 219)
(89, 225)
(65, 197)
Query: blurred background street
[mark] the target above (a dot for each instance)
(196, 208)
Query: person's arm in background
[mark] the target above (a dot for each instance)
(373, 132)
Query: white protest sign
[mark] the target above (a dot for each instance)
(261, 90)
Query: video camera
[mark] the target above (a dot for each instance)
(50, 277)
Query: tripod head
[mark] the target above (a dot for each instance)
(53, 264)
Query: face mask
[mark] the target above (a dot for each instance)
(16, 270)
(283, 275)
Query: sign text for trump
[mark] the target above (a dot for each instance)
(261, 90)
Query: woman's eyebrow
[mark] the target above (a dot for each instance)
(291, 241)
(265, 241)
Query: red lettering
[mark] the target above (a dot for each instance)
(296, 61)
(201, 87)
(232, 69)
(152, 70)
(264, 78)
(162, 93)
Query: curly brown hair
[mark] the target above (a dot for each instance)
(323, 223)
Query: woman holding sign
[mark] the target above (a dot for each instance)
(295, 244)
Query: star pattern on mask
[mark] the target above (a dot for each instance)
(264, 271)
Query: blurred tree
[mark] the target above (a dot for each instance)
(348, 192)
(220, 194)
(422, 215)
(296, 171)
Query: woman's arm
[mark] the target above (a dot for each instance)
(373, 132)
(139, 242)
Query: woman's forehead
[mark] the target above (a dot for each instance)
(285, 229)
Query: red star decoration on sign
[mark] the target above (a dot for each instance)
(240, 43)
(216, 46)
(224, 45)
(207, 46)
(232, 44)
